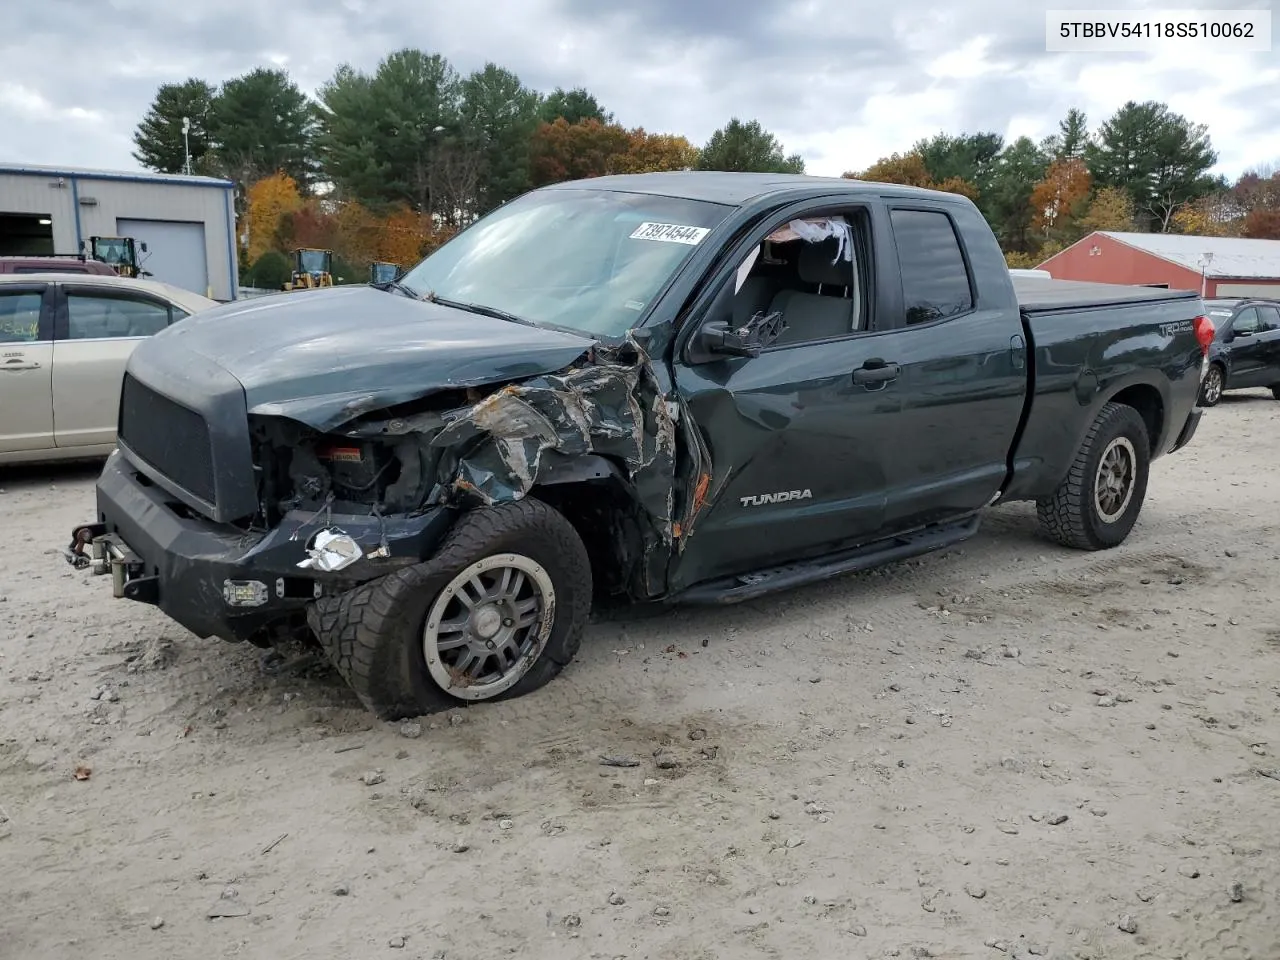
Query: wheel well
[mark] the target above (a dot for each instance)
(1147, 401)
(611, 528)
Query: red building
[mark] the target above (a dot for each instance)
(1216, 266)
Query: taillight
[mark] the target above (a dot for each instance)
(1204, 333)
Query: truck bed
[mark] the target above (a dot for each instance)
(1085, 341)
(1037, 295)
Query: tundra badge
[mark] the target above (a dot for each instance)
(784, 496)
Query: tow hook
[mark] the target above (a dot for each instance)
(106, 554)
(78, 553)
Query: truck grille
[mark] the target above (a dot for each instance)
(169, 437)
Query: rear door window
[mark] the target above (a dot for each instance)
(1246, 321)
(935, 278)
(1269, 318)
(20, 315)
(92, 317)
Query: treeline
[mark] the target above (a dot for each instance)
(1145, 169)
(403, 156)
(386, 164)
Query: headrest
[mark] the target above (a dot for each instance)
(815, 264)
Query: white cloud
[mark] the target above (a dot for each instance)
(965, 63)
(843, 82)
(28, 103)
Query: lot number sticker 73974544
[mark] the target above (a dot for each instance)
(670, 233)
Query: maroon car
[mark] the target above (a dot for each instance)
(64, 264)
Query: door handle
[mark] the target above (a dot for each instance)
(16, 364)
(876, 371)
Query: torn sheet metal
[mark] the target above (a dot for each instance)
(612, 407)
(815, 230)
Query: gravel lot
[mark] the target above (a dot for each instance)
(1006, 750)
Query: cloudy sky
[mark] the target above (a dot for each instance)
(842, 82)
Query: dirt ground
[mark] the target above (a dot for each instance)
(1007, 750)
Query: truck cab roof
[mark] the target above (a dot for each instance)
(741, 189)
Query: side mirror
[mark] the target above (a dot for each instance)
(144, 248)
(717, 338)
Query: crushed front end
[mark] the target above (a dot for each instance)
(174, 529)
(234, 521)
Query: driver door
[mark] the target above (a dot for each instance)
(799, 437)
(26, 367)
(1269, 336)
(1247, 350)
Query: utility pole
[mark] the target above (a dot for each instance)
(1205, 259)
(186, 143)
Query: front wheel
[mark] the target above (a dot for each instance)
(1097, 504)
(496, 613)
(1214, 383)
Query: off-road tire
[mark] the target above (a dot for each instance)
(373, 634)
(1071, 515)
(1275, 391)
(1215, 369)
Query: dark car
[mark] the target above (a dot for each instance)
(1246, 347)
(695, 387)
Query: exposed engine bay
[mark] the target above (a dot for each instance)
(478, 446)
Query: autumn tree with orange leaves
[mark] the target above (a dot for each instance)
(655, 152)
(909, 170)
(1059, 200)
(267, 202)
(312, 225)
(570, 151)
(1262, 225)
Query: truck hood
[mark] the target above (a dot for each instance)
(327, 356)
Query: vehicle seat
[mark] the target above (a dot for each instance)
(830, 312)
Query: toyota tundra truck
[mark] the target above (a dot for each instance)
(674, 387)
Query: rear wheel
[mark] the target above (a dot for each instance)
(495, 614)
(1215, 379)
(1097, 504)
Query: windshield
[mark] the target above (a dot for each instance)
(587, 260)
(313, 261)
(112, 251)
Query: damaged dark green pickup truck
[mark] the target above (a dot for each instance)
(683, 386)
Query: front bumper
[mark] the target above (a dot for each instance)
(218, 580)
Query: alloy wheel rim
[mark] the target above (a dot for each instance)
(1213, 385)
(488, 626)
(1115, 480)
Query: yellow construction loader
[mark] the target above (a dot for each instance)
(311, 268)
(382, 271)
(119, 253)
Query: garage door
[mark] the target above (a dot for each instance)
(175, 251)
(1248, 290)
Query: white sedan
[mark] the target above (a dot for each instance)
(64, 341)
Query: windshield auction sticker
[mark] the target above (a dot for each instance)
(670, 233)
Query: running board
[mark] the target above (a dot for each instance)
(749, 586)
